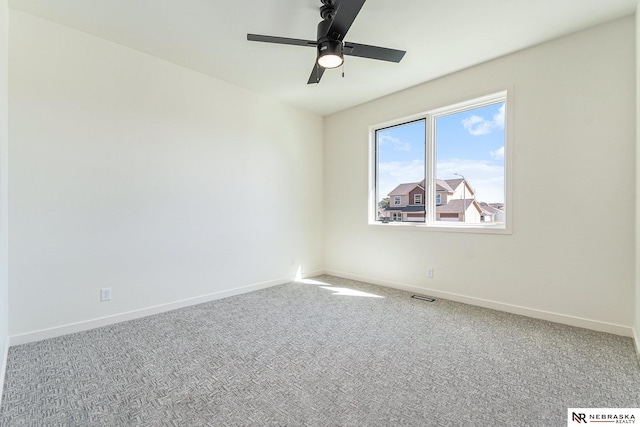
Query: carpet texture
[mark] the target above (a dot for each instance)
(333, 352)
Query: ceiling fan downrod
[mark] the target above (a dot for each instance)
(327, 13)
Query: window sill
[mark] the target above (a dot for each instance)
(453, 228)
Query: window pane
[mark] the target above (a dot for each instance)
(400, 172)
(470, 150)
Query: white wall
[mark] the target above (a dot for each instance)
(164, 184)
(4, 106)
(637, 253)
(133, 173)
(569, 260)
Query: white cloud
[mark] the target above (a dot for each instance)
(397, 143)
(498, 154)
(477, 125)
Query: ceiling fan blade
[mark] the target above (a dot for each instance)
(373, 52)
(346, 13)
(281, 40)
(316, 74)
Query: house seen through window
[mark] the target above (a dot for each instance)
(445, 168)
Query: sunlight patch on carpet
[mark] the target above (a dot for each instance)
(350, 292)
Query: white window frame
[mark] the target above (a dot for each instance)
(397, 200)
(417, 199)
(438, 198)
(430, 166)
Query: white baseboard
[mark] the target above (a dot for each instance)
(509, 308)
(580, 322)
(136, 314)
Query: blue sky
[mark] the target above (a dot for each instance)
(470, 143)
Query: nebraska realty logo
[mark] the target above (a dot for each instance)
(579, 416)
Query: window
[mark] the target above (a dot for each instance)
(453, 157)
(400, 156)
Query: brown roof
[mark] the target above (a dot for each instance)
(443, 185)
(488, 208)
(405, 188)
(456, 206)
(448, 185)
(410, 208)
(454, 183)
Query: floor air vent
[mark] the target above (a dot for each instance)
(423, 298)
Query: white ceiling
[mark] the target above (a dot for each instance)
(440, 37)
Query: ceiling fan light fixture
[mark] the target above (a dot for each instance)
(330, 54)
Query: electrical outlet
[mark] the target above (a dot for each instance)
(430, 273)
(293, 262)
(105, 294)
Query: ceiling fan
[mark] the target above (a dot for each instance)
(337, 17)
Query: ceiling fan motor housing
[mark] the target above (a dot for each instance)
(323, 28)
(329, 45)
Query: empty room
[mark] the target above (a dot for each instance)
(319, 212)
